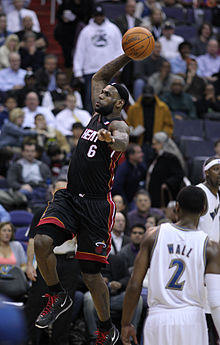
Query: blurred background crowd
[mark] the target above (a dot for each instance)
(45, 84)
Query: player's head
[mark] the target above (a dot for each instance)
(191, 200)
(112, 99)
(211, 171)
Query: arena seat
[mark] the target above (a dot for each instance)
(20, 234)
(20, 218)
(175, 13)
(195, 169)
(186, 31)
(113, 10)
(192, 147)
(212, 130)
(188, 128)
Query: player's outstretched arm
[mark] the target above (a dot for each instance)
(134, 287)
(105, 75)
(212, 279)
(117, 136)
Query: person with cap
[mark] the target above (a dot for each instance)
(209, 222)
(169, 41)
(85, 208)
(100, 38)
(148, 116)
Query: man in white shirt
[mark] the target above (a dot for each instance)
(14, 18)
(169, 41)
(119, 239)
(32, 108)
(67, 117)
(13, 76)
(209, 63)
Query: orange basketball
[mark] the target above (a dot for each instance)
(138, 43)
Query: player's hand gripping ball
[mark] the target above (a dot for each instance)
(138, 43)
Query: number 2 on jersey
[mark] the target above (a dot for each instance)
(92, 151)
(174, 283)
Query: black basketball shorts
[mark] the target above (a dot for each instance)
(89, 219)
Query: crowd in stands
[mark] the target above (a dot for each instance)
(173, 115)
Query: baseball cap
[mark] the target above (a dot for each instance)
(168, 24)
(148, 91)
(98, 11)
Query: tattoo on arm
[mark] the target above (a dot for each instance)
(120, 132)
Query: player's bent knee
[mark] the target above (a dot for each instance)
(43, 244)
(90, 267)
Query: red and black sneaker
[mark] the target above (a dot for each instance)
(56, 305)
(107, 338)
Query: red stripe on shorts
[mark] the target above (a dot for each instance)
(91, 257)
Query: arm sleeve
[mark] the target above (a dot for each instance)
(213, 292)
(78, 60)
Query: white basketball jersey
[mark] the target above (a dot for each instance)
(177, 267)
(209, 223)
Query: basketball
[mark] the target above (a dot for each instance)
(138, 43)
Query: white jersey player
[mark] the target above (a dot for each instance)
(209, 223)
(178, 256)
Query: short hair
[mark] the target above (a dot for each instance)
(37, 115)
(143, 192)
(29, 35)
(50, 56)
(184, 43)
(202, 26)
(2, 224)
(217, 142)
(77, 125)
(192, 199)
(28, 142)
(137, 225)
(130, 149)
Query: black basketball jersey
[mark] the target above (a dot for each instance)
(92, 166)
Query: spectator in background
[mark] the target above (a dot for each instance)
(77, 129)
(55, 100)
(12, 133)
(48, 135)
(41, 40)
(145, 68)
(4, 215)
(129, 252)
(162, 80)
(169, 41)
(179, 102)
(13, 76)
(180, 63)
(199, 43)
(11, 45)
(14, 18)
(32, 108)
(119, 239)
(165, 173)
(208, 106)
(4, 33)
(11, 251)
(46, 76)
(143, 209)
(9, 104)
(70, 115)
(194, 85)
(217, 148)
(148, 116)
(120, 203)
(125, 22)
(100, 37)
(30, 84)
(32, 58)
(130, 174)
(209, 63)
(68, 28)
(7, 5)
(145, 8)
(154, 22)
(29, 175)
(82, 9)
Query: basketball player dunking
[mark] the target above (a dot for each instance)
(178, 256)
(85, 208)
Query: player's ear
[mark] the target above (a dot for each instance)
(120, 103)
